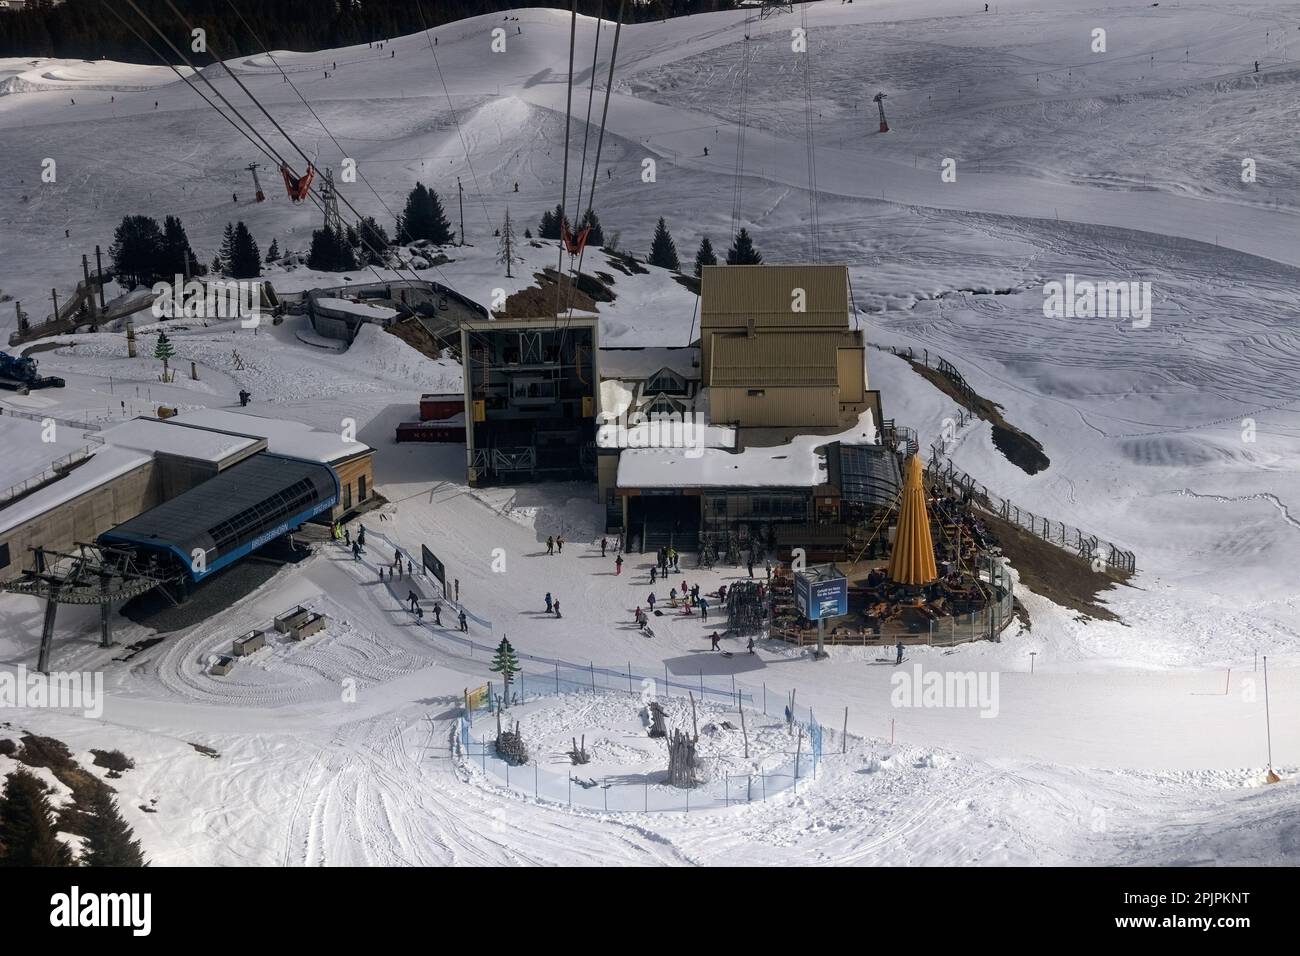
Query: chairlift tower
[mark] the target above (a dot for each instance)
(773, 7)
(329, 198)
(257, 183)
(879, 100)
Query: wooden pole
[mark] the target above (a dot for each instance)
(744, 731)
(844, 737)
(694, 726)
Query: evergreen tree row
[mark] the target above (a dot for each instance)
(28, 836)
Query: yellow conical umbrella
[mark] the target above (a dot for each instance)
(912, 561)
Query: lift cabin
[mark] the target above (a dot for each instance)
(531, 394)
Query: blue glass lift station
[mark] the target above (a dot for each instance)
(821, 592)
(231, 515)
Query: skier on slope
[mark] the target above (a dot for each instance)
(604, 543)
(558, 615)
(652, 574)
(714, 639)
(550, 544)
(651, 601)
(899, 647)
(618, 565)
(464, 624)
(548, 602)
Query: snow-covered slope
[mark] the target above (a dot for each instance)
(1179, 440)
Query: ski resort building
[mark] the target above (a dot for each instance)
(779, 349)
(341, 311)
(531, 398)
(146, 463)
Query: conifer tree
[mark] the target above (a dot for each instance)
(27, 830)
(742, 251)
(553, 223)
(177, 256)
(596, 237)
(506, 247)
(273, 254)
(423, 218)
(163, 350)
(137, 251)
(663, 251)
(228, 246)
(505, 663)
(705, 256)
(245, 258)
(373, 239)
(109, 840)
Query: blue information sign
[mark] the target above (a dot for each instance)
(820, 594)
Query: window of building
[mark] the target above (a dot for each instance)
(666, 381)
(757, 392)
(361, 488)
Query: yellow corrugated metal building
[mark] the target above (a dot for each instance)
(777, 348)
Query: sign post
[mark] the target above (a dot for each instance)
(821, 592)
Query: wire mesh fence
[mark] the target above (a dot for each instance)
(636, 792)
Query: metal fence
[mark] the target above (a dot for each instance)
(633, 792)
(940, 470)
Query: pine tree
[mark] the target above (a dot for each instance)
(374, 241)
(177, 256)
(228, 246)
(528, 234)
(273, 254)
(164, 351)
(137, 251)
(423, 218)
(506, 247)
(596, 237)
(217, 267)
(742, 251)
(321, 256)
(245, 258)
(109, 840)
(554, 221)
(27, 833)
(506, 664)
(663, 251)
(546, 228)
(705, 256)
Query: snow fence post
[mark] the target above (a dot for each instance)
(557, 677)
(726, 780)
(629, 677)
(701, 685)
(571, 790)
(592, 665)
(534, 781)
(764, 698)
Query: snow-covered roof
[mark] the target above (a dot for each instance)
(161, 435)
(795, 464)
(643, 363)
(363, 309)
(106, 464)
(26, 453)
(293, 439)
